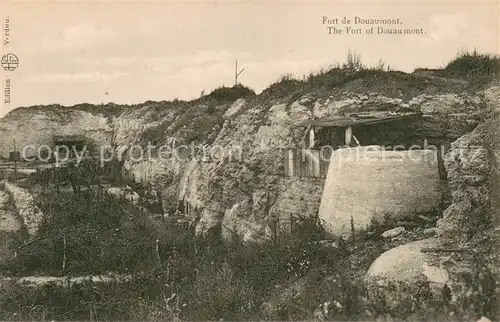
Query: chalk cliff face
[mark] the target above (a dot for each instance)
(239, 182)
(35, 127)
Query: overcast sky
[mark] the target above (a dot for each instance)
(76, 52)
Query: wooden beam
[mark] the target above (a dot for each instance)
(356, 140)
(305, 135)
(450, 250)
(347, 121)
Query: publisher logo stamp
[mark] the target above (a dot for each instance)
(9, 62)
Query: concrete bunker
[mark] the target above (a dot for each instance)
(70, 145)
(374, 167)
(369, 183)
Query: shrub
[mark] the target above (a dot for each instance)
(353, 62)
(230, 94)
(218, 293)
(473, 64)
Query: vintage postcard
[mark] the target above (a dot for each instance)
(250, 160)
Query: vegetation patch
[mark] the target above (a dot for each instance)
(473, 64)
(231, 94)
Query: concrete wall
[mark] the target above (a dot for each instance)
(368, 183)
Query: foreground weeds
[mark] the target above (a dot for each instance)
(175, 275)
(172, 273)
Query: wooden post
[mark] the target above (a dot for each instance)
(440, 162)
(348, 135)
(237, 73)
(56, 179)
(157, 249)
(311, 137)
(316, 158)
(15, 160)
(176, 310)
(64, 254)
(291, 160)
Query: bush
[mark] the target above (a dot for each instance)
(353, 62)
(230, 94)
(473, 64)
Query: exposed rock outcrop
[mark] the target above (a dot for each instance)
(8, 219)
(26, 207)
(399, 272)
(32, 128)
(393, 232)
(255, 129)
(465, 257)
(123, 192)
(472, 175)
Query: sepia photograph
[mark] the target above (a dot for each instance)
(265, 160)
